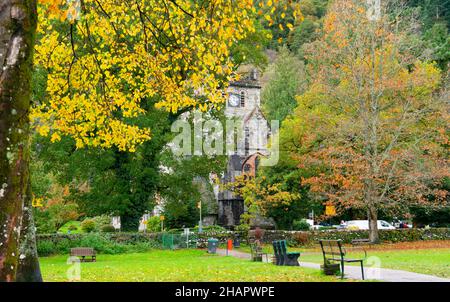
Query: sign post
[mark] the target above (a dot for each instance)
(200, 223)
(330, 210)
(162, 222)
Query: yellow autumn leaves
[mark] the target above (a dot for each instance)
(103, 65)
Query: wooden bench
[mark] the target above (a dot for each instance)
(361, 242)
(333, 250)
(282, 257)
(257, 253)
(83, 252)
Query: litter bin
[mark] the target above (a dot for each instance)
(237, 241)
(212, 245)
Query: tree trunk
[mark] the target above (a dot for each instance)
(29, 269)
(373, 224)
(18, 20)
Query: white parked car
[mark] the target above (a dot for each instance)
(364, 225)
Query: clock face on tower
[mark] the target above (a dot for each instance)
(233, 101)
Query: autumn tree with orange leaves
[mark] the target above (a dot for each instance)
(372, 124)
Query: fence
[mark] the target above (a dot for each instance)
(178, 241)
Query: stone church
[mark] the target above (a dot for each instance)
(253, 133)
(250, 137)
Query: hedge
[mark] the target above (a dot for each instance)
(104, 243)
(391, 236)
(116, 243)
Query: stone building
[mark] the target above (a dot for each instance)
(252, 134)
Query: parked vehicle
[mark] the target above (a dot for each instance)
(401, 224)
(364, 225)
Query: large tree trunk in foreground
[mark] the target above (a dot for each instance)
(18, 20)
(29, 269)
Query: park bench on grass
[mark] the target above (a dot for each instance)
(83, 252)
(257, 253)
(356, 242)
(333, 251)
(282, 257)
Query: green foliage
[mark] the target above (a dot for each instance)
(432, 11)
(88, 225)
(51, 218)
(305, 33)
(154, 224)
(101, 222)
(289, 175)
(286, 76)
(242, 228)
(45, 248)
(109, 181)
(103, 243)
(400, 235)
(437, 38)
(44, 222)
(251, 49)
(183, 187)
(124, 184)
(108, 229)
(73, 226)
(211, 229)
(301, 225)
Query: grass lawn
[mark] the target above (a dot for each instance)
(428, 257)
(65, 228)
(181, 265)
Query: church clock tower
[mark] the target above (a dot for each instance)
(243, 104)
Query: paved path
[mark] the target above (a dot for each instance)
(354, 272)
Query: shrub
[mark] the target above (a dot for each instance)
(108, 229)
(45, 248)
(211, 229)
(301, 225)
(88, 225)
(101, 221)
(64, 245)
(154, 224)
(259, 233)
(103, 243)
(72, 227)
(301, 238)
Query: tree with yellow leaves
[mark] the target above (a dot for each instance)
(103, 58)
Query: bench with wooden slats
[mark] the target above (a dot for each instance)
(83, 252)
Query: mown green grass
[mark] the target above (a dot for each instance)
(425, 261)
(65, 228)
(181, 265)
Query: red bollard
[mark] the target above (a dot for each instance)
(229, 245)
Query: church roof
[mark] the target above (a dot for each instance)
(252, 113)
(248, 79)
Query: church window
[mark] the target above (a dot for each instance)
(247, 140)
